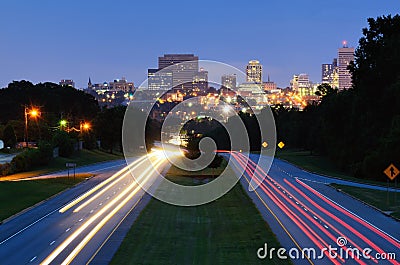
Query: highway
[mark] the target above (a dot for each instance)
(71, 227)
(305, 213)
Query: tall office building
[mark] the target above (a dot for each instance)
(345, 56)
(200, 82)
(327, 73)
(254, 72)
(159, 80)
(229, 81)
(183, 67)
(301, 85)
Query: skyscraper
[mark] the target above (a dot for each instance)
(254, 72)
(183, 67)
(327, 73)
(229, 81)
(159, 80)
(345, 56)
(200, 82)
(301, 85)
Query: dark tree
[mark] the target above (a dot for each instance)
(9, 137)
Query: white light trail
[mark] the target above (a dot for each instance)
(74, 235)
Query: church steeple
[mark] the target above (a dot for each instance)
(90, 86)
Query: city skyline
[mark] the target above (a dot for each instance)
(40, 46)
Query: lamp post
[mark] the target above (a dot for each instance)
(33, 112)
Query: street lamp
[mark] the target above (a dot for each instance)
(63, 124)
(85, 126)
(33, 113)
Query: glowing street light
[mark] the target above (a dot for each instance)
(85, 126)
(33, 113)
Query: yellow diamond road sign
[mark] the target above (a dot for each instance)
(265, 144)
(391, 172)
(281, 145)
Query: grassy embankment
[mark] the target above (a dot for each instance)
(387, 202)
(82, 158)
(17, 196)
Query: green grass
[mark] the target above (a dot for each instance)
(175, 171)
(227, 231)
(17, 196)
(82, 158)
(380, 199)
(319, 165)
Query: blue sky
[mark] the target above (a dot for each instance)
(48, 40)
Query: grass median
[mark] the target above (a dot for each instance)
(16, 196)
(386, 201)
(228, 230)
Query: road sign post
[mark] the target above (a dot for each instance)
(70, 165)
(392, 172)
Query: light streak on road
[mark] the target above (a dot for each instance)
(252, 171)
(83, 205)
(365, 224)
(111, 203)
(92, 233)
(310, 233)
(102, 184)
(302, 225)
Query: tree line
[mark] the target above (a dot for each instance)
(358, 128)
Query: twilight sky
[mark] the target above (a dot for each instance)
(49, 40)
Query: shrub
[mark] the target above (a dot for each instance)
(64, 143)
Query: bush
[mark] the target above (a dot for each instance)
(65, 144)
(5, 169)
(9, 137)
(89, 141)
(29, 159)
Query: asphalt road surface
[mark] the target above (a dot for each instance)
(70, 228)
(308, 215)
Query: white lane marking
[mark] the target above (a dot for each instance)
(80, 220)
(91, 211)
(23, 229)
(68, 229)
(344, 208)
(43, 217)
(104, 168)
(33, 259)
(52, 242)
